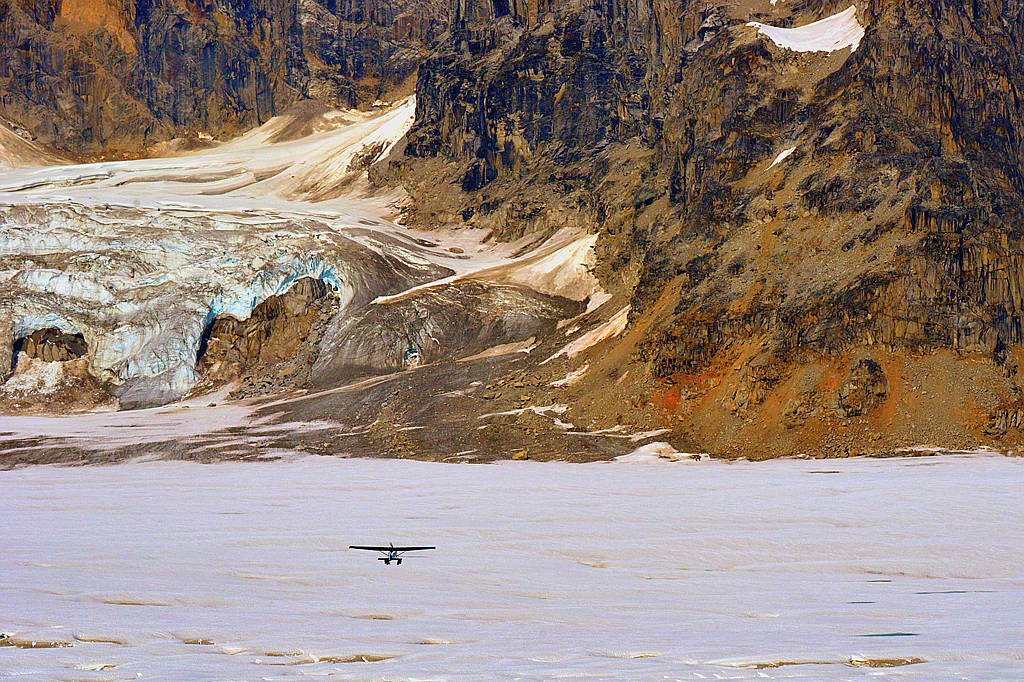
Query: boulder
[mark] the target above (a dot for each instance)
(864, 388)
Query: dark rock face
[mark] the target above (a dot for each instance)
(50, 345)
(893, 224)
(114, 75)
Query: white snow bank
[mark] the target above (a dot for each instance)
(557, 268)
(836, 32)
(658, 451)
(542, 570)
(536, 409)
(17, 152)
(572, 377)
(526, 347)
(564, 272)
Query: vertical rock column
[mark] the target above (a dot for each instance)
(6, 345)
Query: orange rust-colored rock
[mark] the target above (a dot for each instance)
(113, 16)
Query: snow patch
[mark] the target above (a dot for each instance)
(610, 329)
(538, 410)
(556, 269)
(596, 301)
(658, 451)
(643, 435)
(572, 377)
(783, 155)
(501, 349)
(833, 33)
(563, 272)
(18, 152)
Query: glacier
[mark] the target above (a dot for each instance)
(139, 257)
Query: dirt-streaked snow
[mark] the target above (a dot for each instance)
(18, 152)
(108, 430)
(836, 32)
(559, 267)
(610, 329)
(689, 570)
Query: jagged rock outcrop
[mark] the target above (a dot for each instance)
(91, 76)
(274, 347)
(50, 345)
(52, 387)
(6, 347)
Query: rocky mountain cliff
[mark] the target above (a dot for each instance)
(95, 76)
(822, 248)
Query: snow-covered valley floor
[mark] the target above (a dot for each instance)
(785, 569)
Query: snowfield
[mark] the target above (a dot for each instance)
(16, 151)
(837, 32)
(795, 569)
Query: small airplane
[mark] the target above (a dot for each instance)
(391, 553)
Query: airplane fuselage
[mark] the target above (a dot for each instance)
(389, 557)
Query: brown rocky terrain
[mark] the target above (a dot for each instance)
(858, 295)
(48, 373)
(274, 348)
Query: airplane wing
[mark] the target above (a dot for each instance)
(388, 548)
